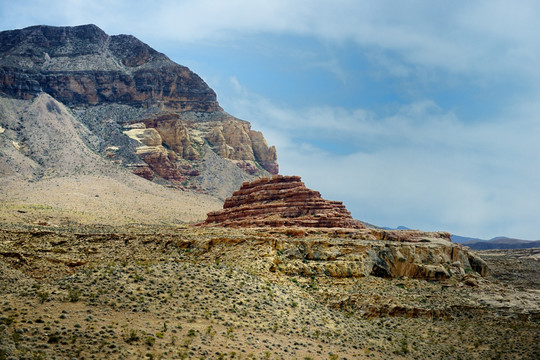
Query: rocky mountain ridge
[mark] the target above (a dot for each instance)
(134, 105)
(82, 66)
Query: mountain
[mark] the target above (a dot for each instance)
(461, 239)
(82, 66)
(500, 242)
(75, 101)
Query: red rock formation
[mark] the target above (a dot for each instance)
(281, 201)
(142, 170)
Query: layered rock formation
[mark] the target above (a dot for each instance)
(113, 83)
(82, 65)
(152, 151)
(348, 253)
(233, 139)
(281, 201)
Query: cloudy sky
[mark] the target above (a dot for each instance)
(417, 113)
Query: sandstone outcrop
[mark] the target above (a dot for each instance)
(149, 137)
(424, 255)
(281, 201)
(175, 134)
(233, 139)
(159, 160)
(348, 253)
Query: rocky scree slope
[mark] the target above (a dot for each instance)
(134, 106)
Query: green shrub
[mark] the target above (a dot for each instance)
(150, 340)
(43, 296)
(74, 294)
(131, 336)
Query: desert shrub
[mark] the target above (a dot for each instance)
(43, 296)
(74, 294)
(53, 339)
(131, 336)
(150, 340)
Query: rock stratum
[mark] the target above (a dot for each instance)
(129, 104)
(281, 201)
(82, 65)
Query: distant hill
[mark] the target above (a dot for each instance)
(401, 227)
(462, 239)
(500, 242)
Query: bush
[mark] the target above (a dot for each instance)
(150, 340)
(74, 294)
(43, 296)
(131, 336)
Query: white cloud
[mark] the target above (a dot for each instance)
(459, 36)
(420, 167)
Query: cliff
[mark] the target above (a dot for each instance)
(113, 84)
(84, 66)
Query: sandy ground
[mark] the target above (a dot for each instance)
(183, 292)
(99, 199)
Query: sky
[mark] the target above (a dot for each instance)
(418, 113)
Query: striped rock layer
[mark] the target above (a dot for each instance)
(281, 201)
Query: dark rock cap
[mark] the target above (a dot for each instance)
(83, 66)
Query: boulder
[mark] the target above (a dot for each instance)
(149, 137)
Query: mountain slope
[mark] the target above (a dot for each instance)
(69, 182)
(133, 106)
(45, 138)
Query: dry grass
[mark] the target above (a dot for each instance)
(183, 292)
(97, 199)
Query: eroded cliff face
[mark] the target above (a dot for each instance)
(234, 139)
(84, 66)
(114, 84)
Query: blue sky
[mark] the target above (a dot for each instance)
(417, 113)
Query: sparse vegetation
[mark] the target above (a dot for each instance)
(116, 306)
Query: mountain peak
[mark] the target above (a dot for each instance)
(129, 103)
(83, 66)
